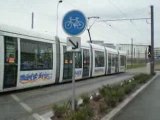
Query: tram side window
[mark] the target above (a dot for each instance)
(78, 60)
(109, 59)
(67, 69)
(116, 60)
(10, 49)
(113, 60)
(123, 60)
(86, 58)
(99, 59)
(36, 55)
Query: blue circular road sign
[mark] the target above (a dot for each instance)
(74, 22)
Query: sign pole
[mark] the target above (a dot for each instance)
(73, 82)
(152, 39)
(74, 23)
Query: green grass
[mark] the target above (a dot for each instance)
(135, 66)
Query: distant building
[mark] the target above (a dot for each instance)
(139, 51)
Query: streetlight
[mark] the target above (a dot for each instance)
(89, 27)
(60, 1)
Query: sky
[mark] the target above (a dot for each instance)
(18, 13)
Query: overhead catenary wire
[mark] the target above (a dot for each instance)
(121, 12)
(125, 19)
(124, 14)
(117, 31)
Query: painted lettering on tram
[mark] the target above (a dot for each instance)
(34, 77)
(78, 73)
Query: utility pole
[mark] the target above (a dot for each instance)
(152, 40)
(131, 51)
(32, 20)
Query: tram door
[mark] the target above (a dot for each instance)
(116, 65)
(86, 63)
(67, 68)
(10, 62)
(109, 63)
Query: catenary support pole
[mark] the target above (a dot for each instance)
(152, 39)
(131, 51)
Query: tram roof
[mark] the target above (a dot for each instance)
(99, 47)
(122, 52)
(23, 32)
(111, 50)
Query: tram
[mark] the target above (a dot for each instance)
(31, 59)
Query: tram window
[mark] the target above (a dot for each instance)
(116, 60)
(99, 59)
(67, 69)
(10, 56)
(86, 58)
(109, 59)
(78, 60)
(123, 60)
(36, 55)
(113, 60)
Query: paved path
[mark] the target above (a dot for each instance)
(28, 105)
(146, 106)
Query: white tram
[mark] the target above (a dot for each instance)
(30, 59)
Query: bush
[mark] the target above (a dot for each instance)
(112, 94)
(109, 96)
(102, 107)
(120, 94)
(60, 110)
(84, 113)
(86, 99)
(103, 91)
(142, 78)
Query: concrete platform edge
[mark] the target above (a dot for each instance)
(116, 110)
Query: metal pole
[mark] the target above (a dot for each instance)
(73, 83)
(32, 23)
(60, 1)
(89, 27)
(57, 21)
(89, 35)
(152, 39)
(131, 51)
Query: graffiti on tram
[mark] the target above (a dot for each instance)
(30, 77)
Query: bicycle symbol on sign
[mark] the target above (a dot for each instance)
(74, 23)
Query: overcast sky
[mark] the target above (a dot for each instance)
(18, 13)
